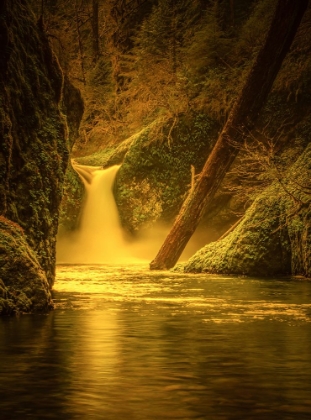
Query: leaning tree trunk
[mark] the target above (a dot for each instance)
(284, 25)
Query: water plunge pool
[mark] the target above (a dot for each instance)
(127, 343)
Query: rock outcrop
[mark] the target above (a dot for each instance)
(34, 153)
(23, 283)
(156, 172)
(273, 238)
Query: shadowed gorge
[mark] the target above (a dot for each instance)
(154, 106)
(129, 129)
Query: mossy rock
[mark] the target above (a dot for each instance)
(110, 155)
(34, 140)
(24, 286)
(72, 201)
(117, 155)
(98, 158)
(156, 172)
(256, 247)
(274, 237)
(73, 108)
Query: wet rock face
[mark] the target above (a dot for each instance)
(23, 283)
(73, 107)
(33, 142)
(156, 172)
(73, 188)
(72, 202)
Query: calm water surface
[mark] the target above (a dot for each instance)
(126, 343)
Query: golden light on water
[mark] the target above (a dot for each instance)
(94, 285)
(130, 334)
(103, 256)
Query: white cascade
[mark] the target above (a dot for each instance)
(100, 238)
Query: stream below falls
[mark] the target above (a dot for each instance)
(126, 343)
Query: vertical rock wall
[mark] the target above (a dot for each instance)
(34, 146)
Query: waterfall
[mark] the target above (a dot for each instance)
(100, 238)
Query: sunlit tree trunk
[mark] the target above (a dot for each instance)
(284, 25)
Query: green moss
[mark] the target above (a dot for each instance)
(274, 236)
(96, 159)
(34, 141)
(23, 283)
(156, 172)
(72, 201)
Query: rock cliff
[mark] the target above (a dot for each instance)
(34, 151)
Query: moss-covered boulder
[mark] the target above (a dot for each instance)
(273, 238)
(156, 172)
(23, 283)
(108, 156)
(257, 246)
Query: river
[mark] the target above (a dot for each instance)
(127, 343)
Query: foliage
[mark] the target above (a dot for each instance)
(162, 58)
(294, 77)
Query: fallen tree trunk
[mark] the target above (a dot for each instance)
(284, 25)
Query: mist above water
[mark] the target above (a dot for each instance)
(100, 237)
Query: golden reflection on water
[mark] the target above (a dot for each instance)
(127, 343)
(170, 345)
(215, 296)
